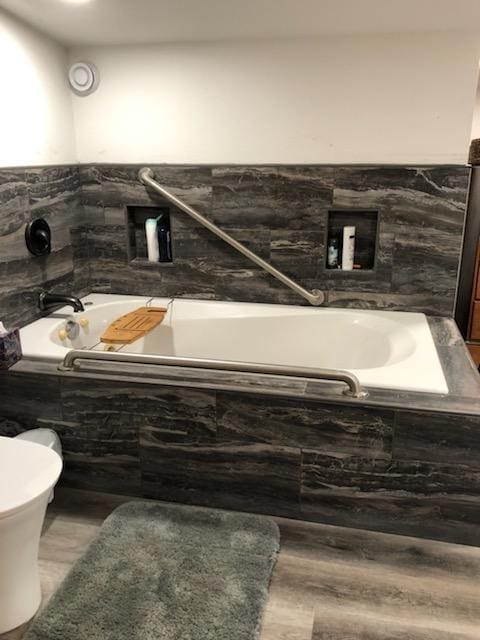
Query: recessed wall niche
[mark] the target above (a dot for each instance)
(137, 242)
(366, 236)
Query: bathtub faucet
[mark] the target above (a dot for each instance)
(47, 301)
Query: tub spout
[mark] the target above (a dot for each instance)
(47, 301)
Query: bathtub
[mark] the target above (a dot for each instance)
(393, 350)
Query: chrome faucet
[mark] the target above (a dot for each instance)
(47, 301)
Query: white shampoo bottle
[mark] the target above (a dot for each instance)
(151, 232)
(348, 250)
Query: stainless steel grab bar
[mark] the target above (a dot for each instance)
(354, 390)
(314, 297)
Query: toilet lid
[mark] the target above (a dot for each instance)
(27, 470)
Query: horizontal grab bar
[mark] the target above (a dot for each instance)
(314, 297)
(354, 390)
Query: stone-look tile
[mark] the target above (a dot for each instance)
(279, 211)
(121, 186)
(437, 437)
(26, 397)
(460, 372)
(445, 332)
(354, 432)
(272, 197)
(428, 302)
(13, 200)
(425, 209)
(51, 193)
(47, 185)
(440, 501)
(248, 477)
(298, 254)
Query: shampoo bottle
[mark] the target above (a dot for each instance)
(348, 250)
(151, 233)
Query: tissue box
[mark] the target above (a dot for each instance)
(10, 349)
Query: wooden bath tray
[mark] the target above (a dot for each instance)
(133, 325)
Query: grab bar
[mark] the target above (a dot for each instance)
(354, 390)
(314, 297)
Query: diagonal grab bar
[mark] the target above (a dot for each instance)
(354, 390)
(314, 297)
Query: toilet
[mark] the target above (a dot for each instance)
(28, 472)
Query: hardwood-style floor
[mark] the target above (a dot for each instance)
(329, 583)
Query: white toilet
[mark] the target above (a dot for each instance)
(28, 472)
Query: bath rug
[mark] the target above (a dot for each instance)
(166, 572)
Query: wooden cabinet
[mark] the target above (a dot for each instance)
(473, 337)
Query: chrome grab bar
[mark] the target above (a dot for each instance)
(314, 297)
(354, 390)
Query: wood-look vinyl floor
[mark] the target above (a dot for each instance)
(329, 583)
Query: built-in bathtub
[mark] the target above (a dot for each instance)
(392, 350)
(398, 460)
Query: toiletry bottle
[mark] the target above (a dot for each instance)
(332, 253)
(151, 233)
(348, 250)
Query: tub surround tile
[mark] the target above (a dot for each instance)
(47, 185)
(272, 197)
(51, 193)
(350, 432)
(253, 477)
(445, 332)
(279, 211)
(437, 437)
(330, 460)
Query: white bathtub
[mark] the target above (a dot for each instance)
(393, 350)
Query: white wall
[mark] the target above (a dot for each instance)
(36, 118)
(476, 115)
(370, 99)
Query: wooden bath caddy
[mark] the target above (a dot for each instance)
(133, 325)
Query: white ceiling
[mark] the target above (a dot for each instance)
(80, 22)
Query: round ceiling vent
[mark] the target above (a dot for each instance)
(83, 78)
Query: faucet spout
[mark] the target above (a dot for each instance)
(48, 301)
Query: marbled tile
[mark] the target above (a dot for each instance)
(121, 186)
(460, 373)
(445, 332)
(358, 431)
(26, 398)
(46, 185)
(201, 244)
(91, 189)
(13, 200)
(437, 437)
(427, 302)
(426, 259)
(439, 501)
(407, 193)
(299, 253)
(100, 454)
(256, 477)
(272, 197)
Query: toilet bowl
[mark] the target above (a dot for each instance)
(28, 473)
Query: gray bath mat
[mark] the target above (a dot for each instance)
(166, 572)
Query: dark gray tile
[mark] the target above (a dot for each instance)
(272, 197)
(437, 437)
(46, 185)
(13, 200)
(252, 477)
(355, 431)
